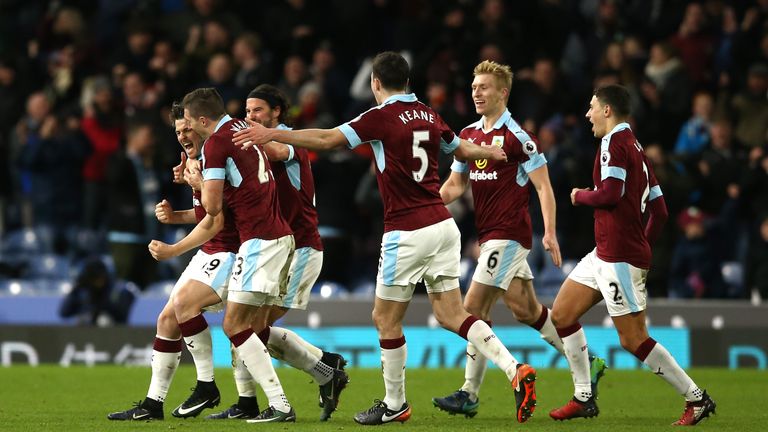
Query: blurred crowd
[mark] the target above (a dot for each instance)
(87, 151)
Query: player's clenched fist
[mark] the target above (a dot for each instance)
(160, 251)
(164, 212)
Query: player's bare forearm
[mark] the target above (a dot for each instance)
(184, 217)
(212, 196)
(312, 139)
(203, 232)
(454, 187)
(467, 151)
(276, 152)
(540, 179)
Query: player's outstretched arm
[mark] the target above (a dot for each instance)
(313, 139)
(277, 152)
(165, 213)
(467, 151)
(540, 179)
(203, 232)
(454, 187)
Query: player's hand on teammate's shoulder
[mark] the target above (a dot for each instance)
(178, 170)
(164, 211)
(497, 153)
(256, 134)
(160, 251)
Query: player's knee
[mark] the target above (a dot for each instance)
(380, 320)
(560, 318)
(630, 342)
(476, 310)
(166, 322)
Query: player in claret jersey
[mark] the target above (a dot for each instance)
(266, 105)
(421, 240)
(625, 187)
(202, 285)
(500, 190)
(243, 181)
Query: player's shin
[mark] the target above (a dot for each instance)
(393, 356)
(197, 337)
(288, 346)
(575, 346)
(256, 358)
(165, 360)
(661, 363)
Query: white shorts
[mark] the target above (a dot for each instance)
(501, 261)
(622, 284)
(213, 270)
(260, 271)
(305, 268)
(432, 253)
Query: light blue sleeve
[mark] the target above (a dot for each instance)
(459, 166)
(655, 193)
(450, 147)
(535, 162)
(351, 135)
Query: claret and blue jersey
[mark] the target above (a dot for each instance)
(406, 136)
(500, 189)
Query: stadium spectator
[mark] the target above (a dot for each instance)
(97, 298)
(133, 185)
(695, 43)
(53, 159)
(757, 264)
(695, 267)
(750, 108)
(694, 135)
(102, 126)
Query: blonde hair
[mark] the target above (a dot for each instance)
(502, 73)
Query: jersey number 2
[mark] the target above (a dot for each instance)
(420, 153)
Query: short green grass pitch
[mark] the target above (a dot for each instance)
(50, 398)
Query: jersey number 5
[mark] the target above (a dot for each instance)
(420, 153)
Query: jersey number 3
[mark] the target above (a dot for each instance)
(420, 153)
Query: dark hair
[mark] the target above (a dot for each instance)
(205, 102)
(177, 112)
(273, 97)
(616, 96)
(391, 69)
